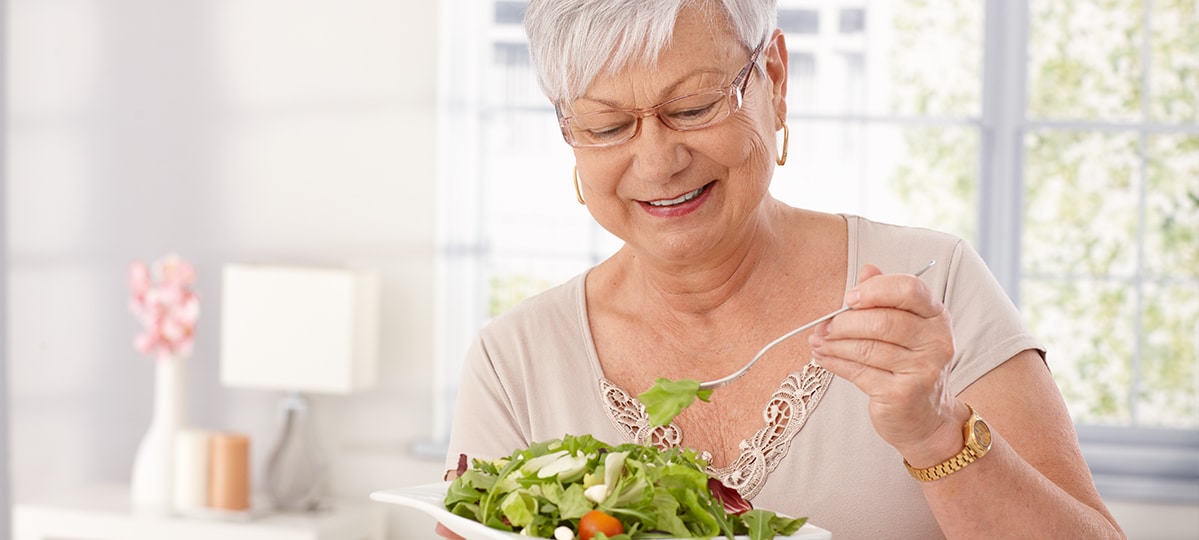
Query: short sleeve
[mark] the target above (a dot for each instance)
(988, 330)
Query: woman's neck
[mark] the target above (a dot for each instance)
(741, 272)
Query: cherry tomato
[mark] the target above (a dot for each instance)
(597, 521)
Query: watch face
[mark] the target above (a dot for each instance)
(982, 434)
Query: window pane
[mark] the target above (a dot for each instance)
(512, 80)
(510, 11)
(529, 142)
(906, 57)
(1081, 204)
(1111, 272)
(1085, 59)
(1174, 61)
(1172, 208)
(1170, 314)
(1168, 393)
(1078, 265)
(922, 176)
(853, 20)
(935, 58)
(801, 81)
(799, 21)
(1087, 328)
(854, 88)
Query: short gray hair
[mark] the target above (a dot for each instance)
(571, 42)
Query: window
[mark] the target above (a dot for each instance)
(801, 80)
(509, 11)
(1109, 268)
(853, 20)
(799, 21)
(1060, 137)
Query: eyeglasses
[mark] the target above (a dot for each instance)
(690, 112)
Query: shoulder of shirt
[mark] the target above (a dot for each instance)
(872, 228)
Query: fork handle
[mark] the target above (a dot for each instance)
(711, 385)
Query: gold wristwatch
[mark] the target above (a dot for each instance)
(978, 442)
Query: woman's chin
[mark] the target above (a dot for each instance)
(683, 247)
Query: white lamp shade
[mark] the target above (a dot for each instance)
(299, 329)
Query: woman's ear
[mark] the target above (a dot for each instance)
(776, 71)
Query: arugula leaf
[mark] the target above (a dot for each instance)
(666, 399)
(764, 524)
(758, 524)
(786, 526)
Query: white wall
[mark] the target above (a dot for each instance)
(288, 131)
(4, 446)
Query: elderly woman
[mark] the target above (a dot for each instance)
(927, 410)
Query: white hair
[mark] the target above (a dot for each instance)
(571, 42)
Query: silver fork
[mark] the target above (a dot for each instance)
(711, 385)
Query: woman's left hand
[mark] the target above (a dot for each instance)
(896, 345)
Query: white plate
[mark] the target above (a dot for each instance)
(429, 498)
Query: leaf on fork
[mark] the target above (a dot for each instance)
(666, 399)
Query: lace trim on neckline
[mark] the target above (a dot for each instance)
(785, 414)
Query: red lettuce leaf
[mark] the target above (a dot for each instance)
(461, 466)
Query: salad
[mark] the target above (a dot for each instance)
(578, 487)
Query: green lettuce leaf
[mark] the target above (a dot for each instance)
(666, 399)
(519, 508)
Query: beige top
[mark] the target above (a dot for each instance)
(533, 375)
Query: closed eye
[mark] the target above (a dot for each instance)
(693, 113)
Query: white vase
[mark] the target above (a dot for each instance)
(153, 486)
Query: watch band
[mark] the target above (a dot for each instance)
(943, 469)
(956, 463)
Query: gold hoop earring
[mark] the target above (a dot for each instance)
(578, 192)
(782, 159)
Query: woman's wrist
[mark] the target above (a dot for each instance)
(946, 441)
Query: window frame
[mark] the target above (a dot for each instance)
(1128, 462)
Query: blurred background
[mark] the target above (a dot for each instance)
(1059, 137)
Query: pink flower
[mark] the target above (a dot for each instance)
(163, 302)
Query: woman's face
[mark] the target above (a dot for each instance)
(681, 196)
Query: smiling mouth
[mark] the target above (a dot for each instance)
(680, 199)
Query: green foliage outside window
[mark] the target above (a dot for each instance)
(935, 70)
(1111, 240)
(1110, 254)
(508, 289)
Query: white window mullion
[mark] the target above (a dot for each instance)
(1005, 94)
(1134, 390)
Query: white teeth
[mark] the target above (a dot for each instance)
(679, 200)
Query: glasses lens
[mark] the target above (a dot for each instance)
(603, 128)
(696, 111)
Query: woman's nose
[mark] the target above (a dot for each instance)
(658, 152)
